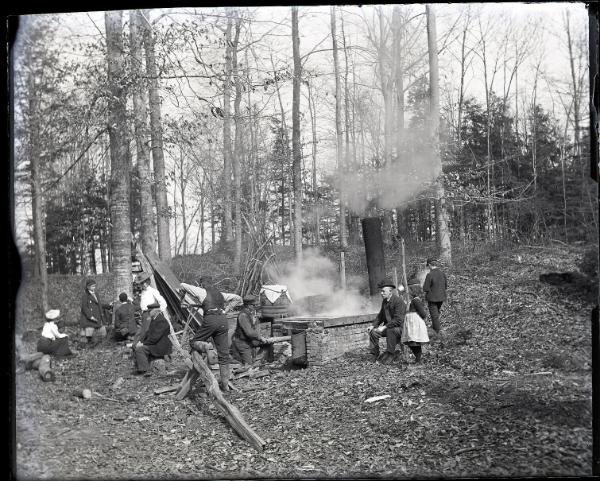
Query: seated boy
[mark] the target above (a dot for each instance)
(125, 324)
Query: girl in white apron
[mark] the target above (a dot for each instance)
(414, 331)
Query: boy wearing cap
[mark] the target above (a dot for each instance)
(125, 323)
(389, 321)
(52, 341)
(92, 311)
(435, 286)
(246, 336)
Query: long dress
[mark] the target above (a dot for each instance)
(414, 331)
(53, 342)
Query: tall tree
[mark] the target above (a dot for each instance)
(237, 147)
(119, 155)
(338, 131)
(142, 137)
(227, 235)
(156, 136)
(296, 153)
(442, 228)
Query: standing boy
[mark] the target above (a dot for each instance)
(435, 287)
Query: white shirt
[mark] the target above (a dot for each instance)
(150, 295)
(50, 331)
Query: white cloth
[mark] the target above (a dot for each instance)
(50, 331)
(196, 295)
(149, 296)
(414, 329)
(273, 292)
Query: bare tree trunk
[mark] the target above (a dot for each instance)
(313, 123)
(338, 132)
(37, 197)
(182, 189)
(237, 181)
(285, 142)
(296, 153)
(227, 168)
(162, 205)
(442, 228)
(140, 102)
(119, 155)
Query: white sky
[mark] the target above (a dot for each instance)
(314, 33)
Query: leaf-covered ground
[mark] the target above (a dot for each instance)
(508, 393)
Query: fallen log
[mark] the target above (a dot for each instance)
(43, 365)
(231, 413)
(30, 358)
(275, 339)
(45, 369)
(186, 384)
(162, 390)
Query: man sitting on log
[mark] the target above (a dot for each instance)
(154, 344)
(246, 336)
(389, 321)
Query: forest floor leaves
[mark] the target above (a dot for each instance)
(506, 393)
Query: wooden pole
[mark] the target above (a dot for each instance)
(229, 411)
(404, 278)
(343, 269)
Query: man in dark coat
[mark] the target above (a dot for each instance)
(125, 322)
(246, 335)
(435, 286)
(215, 325)
(389, 321)
(155, 343)
(92, 311)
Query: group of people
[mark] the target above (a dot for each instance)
(404, 322)
(142, 322)
(215, 326)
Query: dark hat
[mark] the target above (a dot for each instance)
(208, 280)
(386, 283)
(432, 261)
(249, 299)
(89, 283)
(142, 276)
(123, 296)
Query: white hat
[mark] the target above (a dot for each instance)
(52, 314)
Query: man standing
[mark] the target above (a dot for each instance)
(246, 335)
(215, 325)
(435, 286)
(149, 298)
(154, 344)
(389, 321)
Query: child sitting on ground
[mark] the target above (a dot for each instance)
(125, 323)
(52, 341)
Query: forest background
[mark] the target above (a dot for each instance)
(195, 130)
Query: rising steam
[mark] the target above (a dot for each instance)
(319, 276)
